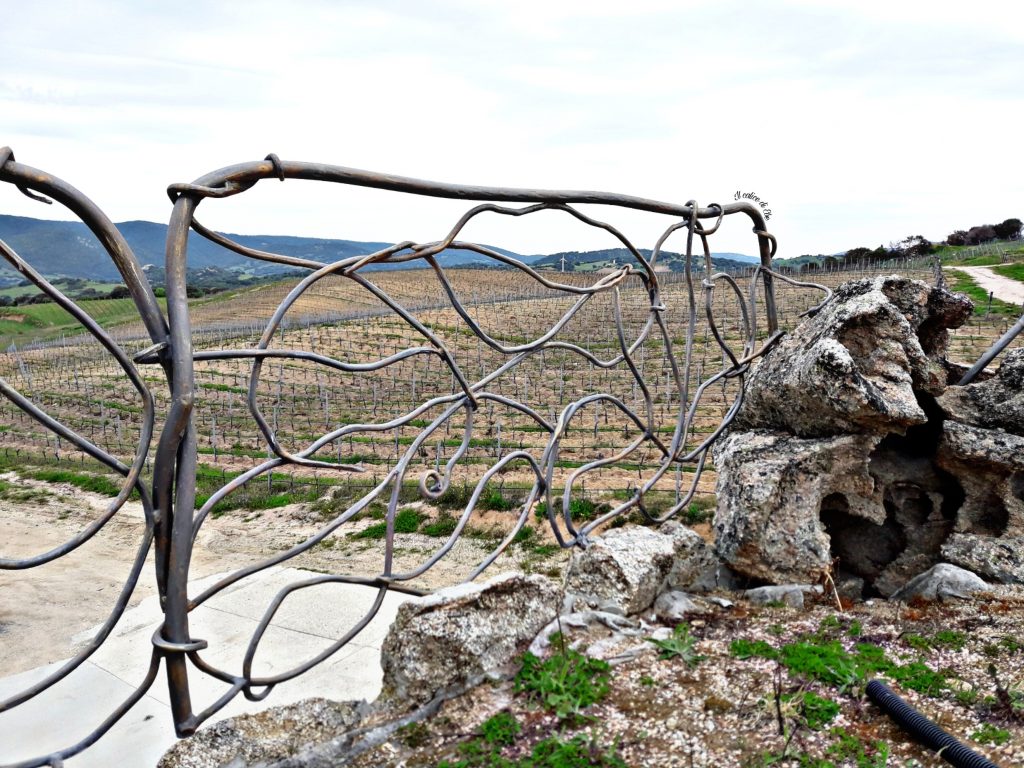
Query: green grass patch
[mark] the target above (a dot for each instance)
(407, 520)
(564, 684)
(375, 531)
(828, 662)
(815, 711)
(1013, 271)
(484, 750)
(444, 525)
(990, 734)
(86, 482)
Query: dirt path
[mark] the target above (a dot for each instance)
(1003, 288)
(43, 608)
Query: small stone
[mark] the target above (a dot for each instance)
(941, 582)
(790, 594)
(674, 606)
(622, 570)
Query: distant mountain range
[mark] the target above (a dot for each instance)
(69, 249)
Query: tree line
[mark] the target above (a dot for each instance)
(914, 246)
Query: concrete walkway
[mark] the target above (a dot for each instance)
(1003, 288)
(307, 622)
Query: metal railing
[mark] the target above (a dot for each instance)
(168, 497)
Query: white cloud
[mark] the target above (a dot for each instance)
(858, 122)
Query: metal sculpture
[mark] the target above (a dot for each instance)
(171, 521)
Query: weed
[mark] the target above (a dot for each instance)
(581, 510)
(502, 728)
(647, 681)
(525, 535)
(407, 520)
(376, 511)
(699, 511)
(917, 642)
(854, 629)
(829, 622)
(748, 649)
(444, 525)
(826, 662)
(849, 748)
(950, 639)
(967, 696)
(566, 683)
(375, 531)
(815, 711)
(579, 751)
(678, 645)
(455, 497)
(544, 550)
(989, 734)
(493, 499)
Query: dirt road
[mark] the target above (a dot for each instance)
(1003, 288)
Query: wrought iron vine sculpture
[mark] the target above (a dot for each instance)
(171, 521)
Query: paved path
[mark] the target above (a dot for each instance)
(307, 622)
(1003, 288)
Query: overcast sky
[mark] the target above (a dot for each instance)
(857, 122)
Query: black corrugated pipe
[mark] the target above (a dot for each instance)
(924, 730)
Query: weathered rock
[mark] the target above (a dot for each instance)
(622, 570)
(855, 367)
(695, 566)
(999, 559)
(989, 465)
(674, 606)
(790, 594)
(942, 582)
(463, 634)
(997, 403)
(274, 734)
(876, 478)
(771, 489)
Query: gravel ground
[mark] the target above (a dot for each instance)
(728, 711)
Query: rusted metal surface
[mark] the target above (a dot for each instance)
(171, 520)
